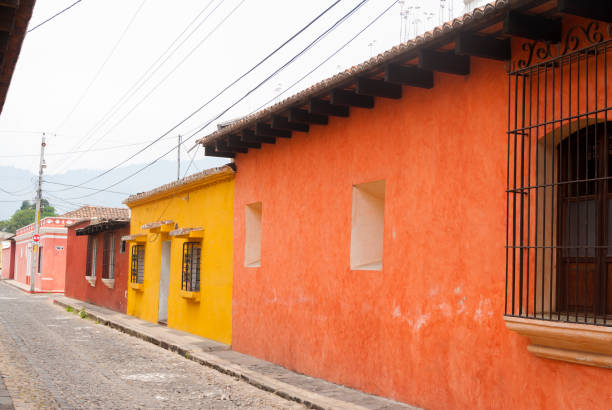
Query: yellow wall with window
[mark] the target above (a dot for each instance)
(203, 200)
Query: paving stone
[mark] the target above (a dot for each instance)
(54, 359)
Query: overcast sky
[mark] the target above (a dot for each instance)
(80, 77)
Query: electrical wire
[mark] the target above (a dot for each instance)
(142, 80)
(342, 19)
(218, 94)
(327, 59)
(82, 187)
(54, 16)
(146, 96)
(99, 71)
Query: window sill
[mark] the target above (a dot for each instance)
(191, 296)
(136, 286)
(91, 280)
(110, 283)
(569, 342)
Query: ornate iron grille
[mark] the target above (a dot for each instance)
(137, 264)
(191, 266)
(558, 196)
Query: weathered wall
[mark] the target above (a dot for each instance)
(8, 261)
(209, 207)
(428, 328)
(79, 288)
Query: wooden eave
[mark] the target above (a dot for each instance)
(447, 49)
(14, 18)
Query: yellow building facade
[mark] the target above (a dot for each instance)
(181, 254)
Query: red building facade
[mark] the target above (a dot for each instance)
(8, 258)
(418, 226)
(97, 267)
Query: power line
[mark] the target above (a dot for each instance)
(328, 58)
(218, 94)
(55, 15)
(79, 151)
(82, 187)
(142, 80)
(99, 71)
(108, 131)
(342, 19)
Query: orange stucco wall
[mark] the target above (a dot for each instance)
(427, 329)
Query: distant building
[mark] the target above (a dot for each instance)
(51, 266)
(97, 264)
(7, 255)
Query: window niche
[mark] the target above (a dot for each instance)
(252, 244)
(367, 226)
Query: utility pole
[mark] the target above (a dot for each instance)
(35, 244)
(178, 150)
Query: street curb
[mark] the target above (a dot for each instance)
(284, 390)
(29, 292)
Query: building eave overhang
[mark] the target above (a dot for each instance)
(354, 87)
(14, 18)
(198, 180)
(103, 226)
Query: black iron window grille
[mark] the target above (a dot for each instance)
(137, 264)
(90, 264)
(108, 256)
(559, 195)
(191, 266)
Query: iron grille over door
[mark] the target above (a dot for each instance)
(559, 199)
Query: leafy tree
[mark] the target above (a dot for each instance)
(25, 215)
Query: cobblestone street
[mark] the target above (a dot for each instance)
(50, 358)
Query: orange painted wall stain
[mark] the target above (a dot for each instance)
(427, 329)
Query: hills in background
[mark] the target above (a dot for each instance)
(17, 185)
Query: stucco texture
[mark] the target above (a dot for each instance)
(205, 205)
(78, 287)
(428, 329)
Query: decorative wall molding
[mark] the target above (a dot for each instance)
(576, 38)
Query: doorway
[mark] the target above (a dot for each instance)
(164, 283)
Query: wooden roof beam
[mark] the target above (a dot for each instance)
(444, 62)
(223, 146)
(234, 141)
(410, 76)
(532, 27)
(264, 130)
(210, 151)
(591, 9)
(282, 123)
(298, 115)
(249, 136)
(322, 107)
(483, 46)
(378, 88)
(350, 98)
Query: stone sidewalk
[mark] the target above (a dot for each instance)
(315, 393)
(6, 403)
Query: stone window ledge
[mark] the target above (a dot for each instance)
(110, 283)
(91, 280)
(585, 344)
(191, 296)
(136, 286)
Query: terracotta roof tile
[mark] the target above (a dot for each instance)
(100, 212)
(407, 48)
(207, 173)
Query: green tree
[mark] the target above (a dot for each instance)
(25, 215)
